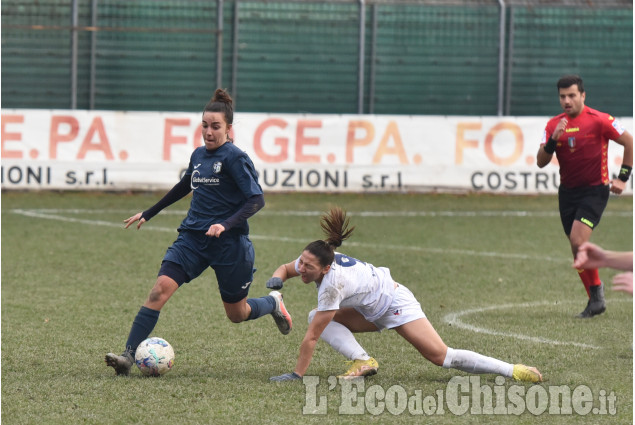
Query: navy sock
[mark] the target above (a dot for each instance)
(261, 306)
(142, 325)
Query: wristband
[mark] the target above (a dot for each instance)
(550, 146)
(625, 173)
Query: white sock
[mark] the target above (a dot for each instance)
(342, 340)
(471, 362)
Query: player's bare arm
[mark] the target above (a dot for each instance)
(317, 326)
(619, 184)
(286, 271)
(282, 273)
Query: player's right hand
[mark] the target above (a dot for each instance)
(562, 125)
(274, 283)
(136, 217)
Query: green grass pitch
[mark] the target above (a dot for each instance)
(493, 274)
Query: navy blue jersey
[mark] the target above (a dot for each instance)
(222, 180)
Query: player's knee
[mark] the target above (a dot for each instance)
(237, 312)
(312, 315)
(161, 291)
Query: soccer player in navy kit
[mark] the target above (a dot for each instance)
(580, 137)
(214, 233)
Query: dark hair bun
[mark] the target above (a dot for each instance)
(220, 95)
(221, 102)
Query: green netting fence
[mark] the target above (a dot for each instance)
(477, 57)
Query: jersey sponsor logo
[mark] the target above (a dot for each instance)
(587, 222)
(217, 167)
(572, 130)
(396, 312)
(197, 180)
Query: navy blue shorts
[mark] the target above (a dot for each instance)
(585, 204)
(231, 256)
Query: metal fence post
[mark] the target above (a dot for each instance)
(219, 43)
(93, 54)
(74, 23)
(510, 62)
(373, 58)
(362, 44)
(235, 53)
(501, 57)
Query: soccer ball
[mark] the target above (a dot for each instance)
(154, 356)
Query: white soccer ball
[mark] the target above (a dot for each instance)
(154, 356)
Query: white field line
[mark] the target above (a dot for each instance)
(54, 215)
(454, 319)
(61, 215)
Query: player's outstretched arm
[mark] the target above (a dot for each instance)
(316, 327)
(592, 256)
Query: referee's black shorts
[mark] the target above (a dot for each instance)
(585, 204)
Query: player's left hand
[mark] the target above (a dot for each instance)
(286, 377)
(215, 230)
(617, 186)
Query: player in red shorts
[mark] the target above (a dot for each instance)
(580, 139)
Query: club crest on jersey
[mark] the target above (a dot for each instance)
(217, 167)
(571, 143)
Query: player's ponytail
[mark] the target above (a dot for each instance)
(335, 226)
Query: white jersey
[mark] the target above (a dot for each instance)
(353, 283)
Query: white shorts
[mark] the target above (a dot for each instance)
(404, 309)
